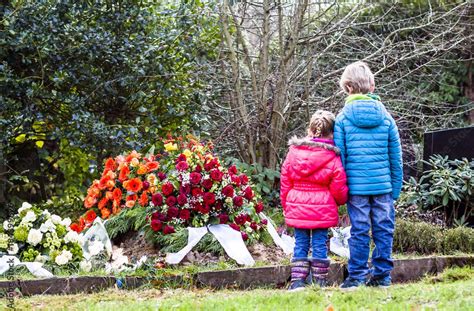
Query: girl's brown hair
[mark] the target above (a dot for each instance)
(321, 124)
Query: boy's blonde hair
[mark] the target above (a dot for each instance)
(358, 77)
(321, 124)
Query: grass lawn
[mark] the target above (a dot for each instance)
(452, 290)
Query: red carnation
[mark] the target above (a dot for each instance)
(264, 222)
(171, 201)
(228, 191)
(238, 201)
(162, 217)
(161, 176)
(235, 226)
(184, 214)
(259, 207)
(248, 193)
(167, 189)
(232, 170)
(244, 179)
(156, 225)
(209, 198)
(245, 237)
(195, 192)
(173, 212)
(207, 184)
(195, 178)
(182, 166)
(157, 199)
(216, 175)
(182, 199)
(168, 230)
(223, 218)
(146, 185)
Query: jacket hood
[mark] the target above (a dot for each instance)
(309, 156)
(364, 111)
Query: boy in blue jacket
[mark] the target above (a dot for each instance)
(371, 153)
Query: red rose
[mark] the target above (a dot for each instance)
(157, 199)
(155, 215)
(232, 170)
(240, 219)
(171, 201)
(162, 217)
(182, 166)
(238, 201)
(228, 191)
(209, 198)
(167, 189)
(223, 218)
(218, 206)
(197, 207)
(184, 214)
(245, 237)
(207, 184)
(181, 158)
(161, 176)
(204, 209)
(173, 212)
(235, 226)
(182, 199)
(264, 222)
(244, 179)
(208, 166)
(146, 185)
(185, 189)
(216, 175)
(247, 217)
(195, 178)
(248, 193)
(198, 169)
(259, 207)
(156, 225)
(168, 230)
(195, 192)
(254, 226)
(235, 179)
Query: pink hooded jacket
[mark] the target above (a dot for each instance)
(313, 184)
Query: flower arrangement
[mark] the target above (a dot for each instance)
(36, 235)
(184, 185)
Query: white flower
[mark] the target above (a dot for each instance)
(63, 258)
(72, 237)
(6, 225)
(24, 206)
(95, 248)
(41, 258)
(34, 237)
(66, 222)
(46, 213)
(13, 249)
(249, 229)
(29, 217)
(55, 219)
(48, 226)
(85, 265)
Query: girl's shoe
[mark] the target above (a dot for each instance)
(383, 282)
(320, 270)
(351, 284)
(299, 273)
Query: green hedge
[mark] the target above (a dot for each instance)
(425, 238)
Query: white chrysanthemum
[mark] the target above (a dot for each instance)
(34, 237)
(85, 265)
(95, 248)
(55, 219)
(6, 225)
(48, 226)
(29, 217)
(46, 213)
(24, 206)
(61, 260)
(72, 237)
(66, 222)
(13, 249)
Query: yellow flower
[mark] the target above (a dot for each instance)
(171, 147)
(134, 162)
(187, 153)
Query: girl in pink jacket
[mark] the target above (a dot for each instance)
(313, 184)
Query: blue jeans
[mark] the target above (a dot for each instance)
(306, 237)
(365, 210)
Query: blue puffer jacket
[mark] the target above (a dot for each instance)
(370, 147)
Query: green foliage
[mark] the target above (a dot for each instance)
(128, 219)
(425, 238)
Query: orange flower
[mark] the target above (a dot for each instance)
(142, 169)
(132, 197)
(90, 201)
(78, 226)
(93, 191)
(151, 166)
(143, 199)
(132, 155)
(105, 212)
(116, 207)
(103, 182)
(90, 216)
(124, 173)
(110, 184)
(133, 185)
(151, 179)
(109, 195)
(130, 204)
(110, 164)
(117, 194)
(102, 203)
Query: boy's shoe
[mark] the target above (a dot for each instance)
(351, 284)
(297, 286)
(383, 282)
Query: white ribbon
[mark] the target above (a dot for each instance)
(233, 244)
(36, 268)
(194, 236)
(285, 242)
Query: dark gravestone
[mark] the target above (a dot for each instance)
(454, 143)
